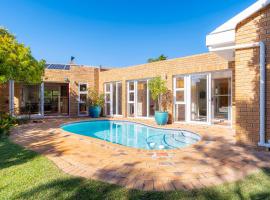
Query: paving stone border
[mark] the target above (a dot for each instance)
(216, 159)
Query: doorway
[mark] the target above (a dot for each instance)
(56, 99)
(221, 101)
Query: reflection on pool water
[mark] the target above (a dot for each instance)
(133, 134)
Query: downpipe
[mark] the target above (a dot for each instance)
(262, 141)
(261, 45)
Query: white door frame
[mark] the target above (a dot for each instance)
(110, 93)
(187, 94)
(135, 102)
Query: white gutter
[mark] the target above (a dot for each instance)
(260, 44)
(240, 46)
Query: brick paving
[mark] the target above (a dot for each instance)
(216, 159)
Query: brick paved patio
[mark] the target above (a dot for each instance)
(214, 160)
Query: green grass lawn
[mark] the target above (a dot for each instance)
(27, 175)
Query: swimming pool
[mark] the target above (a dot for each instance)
(132, 134)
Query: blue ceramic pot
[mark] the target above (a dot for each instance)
(94, 111)
(161, 117)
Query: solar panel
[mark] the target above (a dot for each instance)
(58, 66)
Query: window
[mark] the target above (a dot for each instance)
(107, 99)
(30, 99)
(179, 99)
(82, 100)
(131, 99)
(140, 102)
(113, 98)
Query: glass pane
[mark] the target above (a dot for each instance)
(199, 98)
(119, 87)
(180, 82)
(114, 99)
(64, 90)
(131, 96)
(108, 109)
(153, 106)
(221, 86)
(131, 86)
(55, 93)
(180, 96)
(180, 112)
(29, 100)
(107, 97)
(83, 87)
(142, 99)
(131, 110)
(82, 108)
(107, 86)
(221, 100)
(83, 97)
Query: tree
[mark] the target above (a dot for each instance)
(17, 62)
(160, 58)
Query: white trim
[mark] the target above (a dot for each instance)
(135, 102)
(41, 99)
(224, 35)
(79, 98)
(11, 97)
(110, 93)
(240, 46)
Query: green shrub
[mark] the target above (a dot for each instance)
(95, 99)
(6, 122)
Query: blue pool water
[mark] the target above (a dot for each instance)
(133, 134)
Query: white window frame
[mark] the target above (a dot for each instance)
(208, 98)
(223, 74)
(110, 93)
(175, 90)
(187, 97)
(135, 102)
(117, 97)
(79, 98)
(108, 101)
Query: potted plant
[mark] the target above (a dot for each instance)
(95, 103)
(160, 93)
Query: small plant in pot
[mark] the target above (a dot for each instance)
(160, 93)
(95, 103)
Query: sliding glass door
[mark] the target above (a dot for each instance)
(140, 103)
(131, 99)
(221, 98)
(192, 98)
(142, 96)
(113, 99)
(203, 98)
(199, 101)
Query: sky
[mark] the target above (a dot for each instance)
(115, 33)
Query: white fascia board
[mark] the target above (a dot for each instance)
(224, 35)
(233, 22)
(221, 39)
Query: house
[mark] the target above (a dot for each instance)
(226, 86)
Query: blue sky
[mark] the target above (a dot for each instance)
(117, 32)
